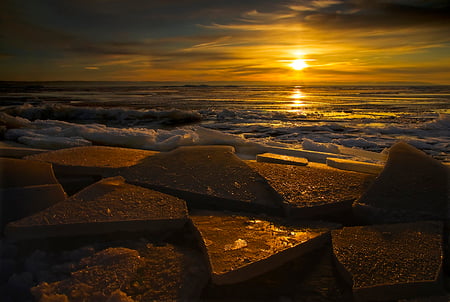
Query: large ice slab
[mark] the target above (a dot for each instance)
(412, 186)
(16, 150)
(20, 173)
(314, 156)
(353, 165)
(390, 262)
(315, 190)
(281, 159)
(91, 160)
(142, 273)
(239, 248)
(206, 177)
(107, 206)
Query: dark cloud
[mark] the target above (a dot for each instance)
(380, 15)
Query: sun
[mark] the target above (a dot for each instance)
(299, 64)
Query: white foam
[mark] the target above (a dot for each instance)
(441, 123)
(309, 144)
(247, 137)
(57, 134)
(358, 142)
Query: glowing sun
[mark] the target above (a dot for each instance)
(299, 64)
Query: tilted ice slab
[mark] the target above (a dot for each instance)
(16, 150)
(22, 173)
(239, 248)
(281, 159)
(26, 187)
(412, 186)
(107, 206)
(206, 177)
(19, 202)
(390, 262)
(353, 165)
(315, 190)
(91, 160)
(311, 155)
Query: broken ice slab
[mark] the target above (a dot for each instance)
(412, 186)
(314, 156)
(240, 248)
(314, 191)
(211, 177)
(356, 152)
(353, 165)
(281, 159)
(141, 273)
(19, 202)
(107, 206)
(390, 262)
(16, 150)
(91, 160)
(22, 173)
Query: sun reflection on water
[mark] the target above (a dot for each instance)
(297, 95)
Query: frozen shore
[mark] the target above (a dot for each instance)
(252, 246)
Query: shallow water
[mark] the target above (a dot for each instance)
(368, 117)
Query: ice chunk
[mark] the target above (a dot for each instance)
(91, 160)
(311, 145)
(13, 121)
(352, 165)
(21, 173)
(314, 191)
(145, 273)
(24, 201)
(206, 177)
(281, 159)
(107, 206)
(364, 154)
(239, 248)
(16, 150)
(390, 262)
(412, 186)
(314, 156)
(51, 142)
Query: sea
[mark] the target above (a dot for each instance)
(161, 116)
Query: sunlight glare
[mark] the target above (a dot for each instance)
(297, 95)
(299, 64)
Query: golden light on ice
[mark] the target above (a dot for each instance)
(299, 64)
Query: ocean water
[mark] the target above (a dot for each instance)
(162, 117)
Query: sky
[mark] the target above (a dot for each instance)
(318, 41)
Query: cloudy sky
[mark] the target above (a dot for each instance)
(226, 40)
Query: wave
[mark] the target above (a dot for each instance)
(115, 115)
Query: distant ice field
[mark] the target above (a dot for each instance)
(162, 117)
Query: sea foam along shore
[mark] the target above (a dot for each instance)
(306, 130)
(54, 134)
